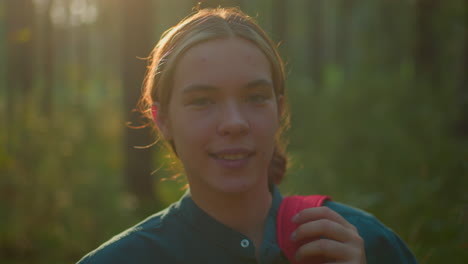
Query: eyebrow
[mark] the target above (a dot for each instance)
(205, 87)
(198, 87)
(259, 82)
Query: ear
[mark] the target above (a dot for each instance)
(280, 103)
(154, 112)
(160, 121)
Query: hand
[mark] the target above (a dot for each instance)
(323, 234)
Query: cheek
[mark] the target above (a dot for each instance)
(267, 121)
(190, 132)
(264, 131)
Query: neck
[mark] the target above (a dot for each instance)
(245, 212)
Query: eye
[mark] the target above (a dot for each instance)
(257, 98)
(202, 101)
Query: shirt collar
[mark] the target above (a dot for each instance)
(223, 236)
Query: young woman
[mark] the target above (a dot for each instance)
(216, 87)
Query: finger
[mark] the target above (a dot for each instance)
(326, 248)
(324, 228)
(316, 213)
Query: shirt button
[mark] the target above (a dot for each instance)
(245, 243)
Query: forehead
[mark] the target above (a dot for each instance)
(222, 62)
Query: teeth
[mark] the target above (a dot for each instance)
(232, 156)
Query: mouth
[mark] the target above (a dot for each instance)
(232, 155)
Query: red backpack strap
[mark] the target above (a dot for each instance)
(289, 207)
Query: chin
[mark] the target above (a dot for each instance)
(238, 186)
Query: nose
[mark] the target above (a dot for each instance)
(233, 121)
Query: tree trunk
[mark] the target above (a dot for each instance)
(425, 51)
(49, 52)
(137, 43)
(19, 72)
(82, 51)
(316, 49)
(462, 126)
(279, 21)
(345, 10)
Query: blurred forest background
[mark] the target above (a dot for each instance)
(379, 95)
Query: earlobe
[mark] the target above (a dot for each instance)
(154, 112)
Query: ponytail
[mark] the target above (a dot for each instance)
(277, 168)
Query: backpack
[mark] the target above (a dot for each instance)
(290, 206)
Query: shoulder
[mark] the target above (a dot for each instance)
(348, 212)
(381, 243)
(142, 243)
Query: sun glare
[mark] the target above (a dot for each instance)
(69, 12)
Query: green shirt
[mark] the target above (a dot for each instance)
(183, 233)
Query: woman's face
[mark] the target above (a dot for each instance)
(223, 116)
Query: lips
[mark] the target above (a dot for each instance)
(232, 154)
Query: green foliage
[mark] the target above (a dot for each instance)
(61, 186)
(382, 144)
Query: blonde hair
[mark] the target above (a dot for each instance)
(205, 25)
